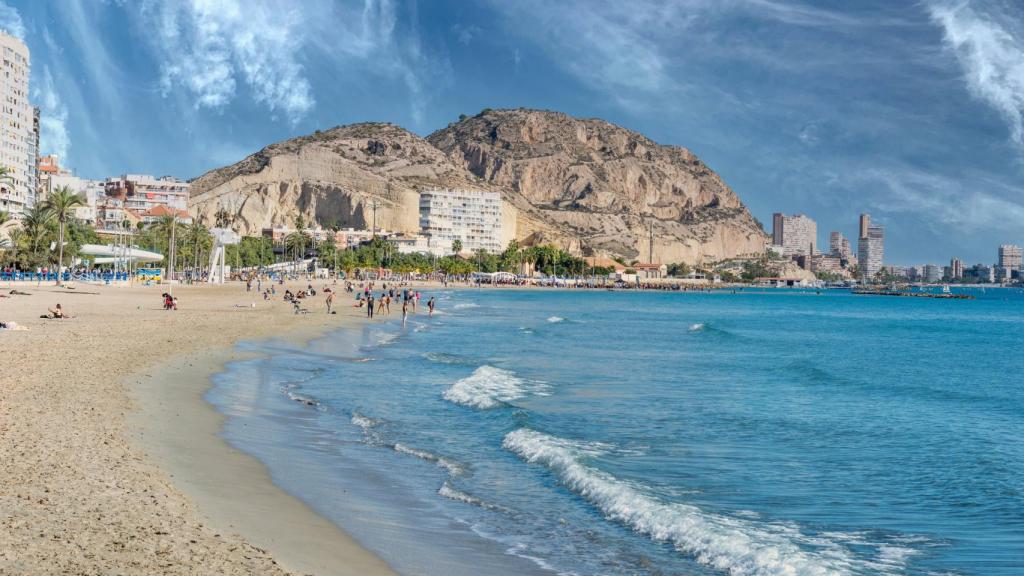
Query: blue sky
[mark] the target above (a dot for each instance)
(912, 111)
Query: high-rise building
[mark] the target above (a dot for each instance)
(1009, 257)
(865, 223)
(870, 249)
(16, 128)
(956, 268)
(472, 217)
(839, 246)
(797, 234)
(933, 273)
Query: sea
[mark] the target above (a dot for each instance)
(755, 432)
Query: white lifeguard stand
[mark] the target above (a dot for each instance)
(222, 237)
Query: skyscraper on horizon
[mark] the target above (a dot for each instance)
(839, 246)
(1009, 257)
(17, 139)
(797, 234)
(870, 248)
(956, 268)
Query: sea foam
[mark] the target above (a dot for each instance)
(490, 387)
(555, 319)
(736, 546)
(449, 465)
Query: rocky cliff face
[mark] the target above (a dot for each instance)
(578, 183)
(334, 176)
(604, 186)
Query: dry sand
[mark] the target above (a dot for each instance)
(111, 459)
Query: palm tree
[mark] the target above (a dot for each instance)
(15, 237)
(456, 246)
(168, 224)
(61, 203)
(35, 222)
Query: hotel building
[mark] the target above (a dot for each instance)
(797, 234)
(956, 268)
(1009, 257)
(470, 216)
(839, 246)
(17, 132)
(870, 248)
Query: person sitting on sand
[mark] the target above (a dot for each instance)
(11, 325)
(57, 313)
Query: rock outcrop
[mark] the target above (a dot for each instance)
(586, 185)
(595, 183)
(334, 176)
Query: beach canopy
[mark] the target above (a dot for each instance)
(106, 253)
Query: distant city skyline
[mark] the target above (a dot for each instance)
(911, 112)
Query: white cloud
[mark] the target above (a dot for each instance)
(208, 46)
(53, 119)
(10, 20)
(990, 50)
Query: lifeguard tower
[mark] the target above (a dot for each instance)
(222, 238)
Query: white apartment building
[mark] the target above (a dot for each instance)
(92, 191)
(17, 139)
(871, 251)
(142, 192)
(798, 234)
(472, 217)
(1009, 257)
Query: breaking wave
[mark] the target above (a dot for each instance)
(555, 319)
(449, 465)
(450, 493)
(696, 327)
(737, 546)
(465, 305)
(490, 387)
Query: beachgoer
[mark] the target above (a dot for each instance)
(405, 311)
(430, 306)
(380, 302)
(330, 300)
(369, 306)
(58, 313)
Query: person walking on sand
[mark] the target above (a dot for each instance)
(330, 300)
(380, 303)
(430, 307)
(369, 305)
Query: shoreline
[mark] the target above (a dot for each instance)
(84, 489)
(182, 432)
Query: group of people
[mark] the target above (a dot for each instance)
(170, 301)
(375, 305)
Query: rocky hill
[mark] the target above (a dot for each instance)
(332, 176)
(603, 185)
(579, 183)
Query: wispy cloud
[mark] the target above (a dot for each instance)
(943, 202)
(208, 46)
(53, 118)
(10, 20)
(989, 46)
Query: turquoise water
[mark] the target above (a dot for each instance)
(764, 432)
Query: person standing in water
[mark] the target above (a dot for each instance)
(405, 311)
(430, 307)
(369, 307)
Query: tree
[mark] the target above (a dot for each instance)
(61, 203)
(456, 246)
(678, 269)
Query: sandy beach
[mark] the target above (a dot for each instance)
(112, 460)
